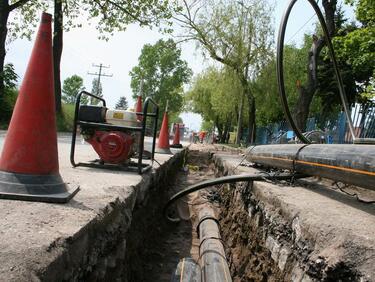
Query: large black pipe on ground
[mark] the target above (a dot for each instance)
(351, 164)
(211, 250)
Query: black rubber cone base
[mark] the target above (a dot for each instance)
(177, 146)
(163, 151)
(35, 188)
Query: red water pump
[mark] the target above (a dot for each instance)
(112, 146)
(117, 136)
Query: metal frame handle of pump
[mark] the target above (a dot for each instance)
(76, 110)
(280, 71)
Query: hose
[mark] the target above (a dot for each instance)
(280, 70)
(223, 180)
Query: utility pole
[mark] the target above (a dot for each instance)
(99, 74)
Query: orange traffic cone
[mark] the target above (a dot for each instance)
(176, 138)
(163, 142)
(138, 108)
(29, 168)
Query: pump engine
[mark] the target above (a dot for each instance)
(112, 146)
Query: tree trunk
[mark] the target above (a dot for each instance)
(302, 110)
(252, 122)
(4, 14)
(240, 117)
(57, 51)
(251, 102)
(306, 93)
(226, 130)
(219, 127)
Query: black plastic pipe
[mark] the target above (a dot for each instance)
(213, 262)
(351, 164)
(187, 270)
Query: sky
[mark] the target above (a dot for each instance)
(82, 49)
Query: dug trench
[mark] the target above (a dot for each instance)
(155, 246)
(261, 242)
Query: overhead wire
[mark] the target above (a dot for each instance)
(300, 28)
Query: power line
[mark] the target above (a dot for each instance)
(99, 74)
(301, 28)
(302, 25)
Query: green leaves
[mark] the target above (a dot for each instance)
(122, 103)
(358, 49)
(162, 73)
(355, 50)
(96, 89)
(71, 88)
(215, 94)
(238, 34)
(365, 12)
(24, 19)
(10, 77)
(116, 15)
(110, 15)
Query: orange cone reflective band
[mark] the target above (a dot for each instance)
(138, 108)
(29, 160)
(176, 138)
(163, 142)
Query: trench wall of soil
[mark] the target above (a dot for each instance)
(109, 248)
(267, 241)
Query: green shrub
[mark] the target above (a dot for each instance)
(7, 104)
(8, 99)
(64, 121)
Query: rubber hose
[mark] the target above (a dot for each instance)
(280, 69)
(223, 180)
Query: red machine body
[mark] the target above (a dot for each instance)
(112, 147)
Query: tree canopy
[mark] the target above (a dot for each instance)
(19, 18)
(162, 74)
(122, 103)
(355, 46)
(237, 34)
(71, 88)
(215, 94)
(96, 89)
(9, 99)
(351, 54)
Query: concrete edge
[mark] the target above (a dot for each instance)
(102, 241)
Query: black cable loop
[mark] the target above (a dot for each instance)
(280, 70)
(295, 159)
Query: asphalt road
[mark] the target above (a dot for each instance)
(66, 138)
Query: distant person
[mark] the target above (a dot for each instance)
(202, 135)
(192, 137)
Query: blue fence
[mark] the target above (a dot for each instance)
(334, 130)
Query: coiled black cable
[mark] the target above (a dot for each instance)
(280, 70)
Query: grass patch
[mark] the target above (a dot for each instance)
(64, 121)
